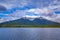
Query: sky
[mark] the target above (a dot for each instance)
(16, 9)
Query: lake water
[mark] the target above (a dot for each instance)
(29, 33)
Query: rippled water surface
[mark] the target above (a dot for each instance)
(29, 33)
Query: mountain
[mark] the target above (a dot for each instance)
(25, 21)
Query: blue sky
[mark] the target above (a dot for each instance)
(19, 8)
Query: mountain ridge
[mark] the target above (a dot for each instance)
(26, 21)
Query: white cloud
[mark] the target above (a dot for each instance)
(56, 19)
(43, 12)
(32, 16)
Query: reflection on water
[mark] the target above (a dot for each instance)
(29, 33)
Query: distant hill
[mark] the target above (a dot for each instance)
(24, 21)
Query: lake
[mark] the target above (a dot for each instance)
(29, 33)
